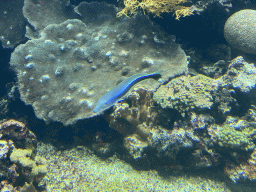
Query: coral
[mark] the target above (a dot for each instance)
(18, 133)
(20, 167)
(12, 23)
(156, 7)
(234, 134)
(186, 93)
(135, 119)
(243, 168)
(33, 168)
(240, 75)
(239, 30)
(40, 16)
(135, 146)
(63, 73)
(139, 120)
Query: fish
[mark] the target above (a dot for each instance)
(117, 93)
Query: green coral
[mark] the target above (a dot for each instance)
(234, 133)
(185, 93)
(228, 137)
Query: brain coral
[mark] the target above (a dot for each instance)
(64, 72)
(240, 31)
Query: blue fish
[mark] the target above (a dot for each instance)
(116, 94)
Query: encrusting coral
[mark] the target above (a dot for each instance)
(186, 93)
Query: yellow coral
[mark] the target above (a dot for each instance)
(156, 7)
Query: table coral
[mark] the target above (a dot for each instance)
(42, 13)
(63, 73)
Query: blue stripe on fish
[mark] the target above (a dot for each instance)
(116, 94)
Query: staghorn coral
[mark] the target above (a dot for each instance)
(186, 93)
(63, 73)
(156, 7)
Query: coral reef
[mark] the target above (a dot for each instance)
(21, 168)
(152, 122)
(63, 73)
(183, 121)
(240, 31)
(145, 125)
(18, 132)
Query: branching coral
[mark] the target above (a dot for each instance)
(156, 7)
